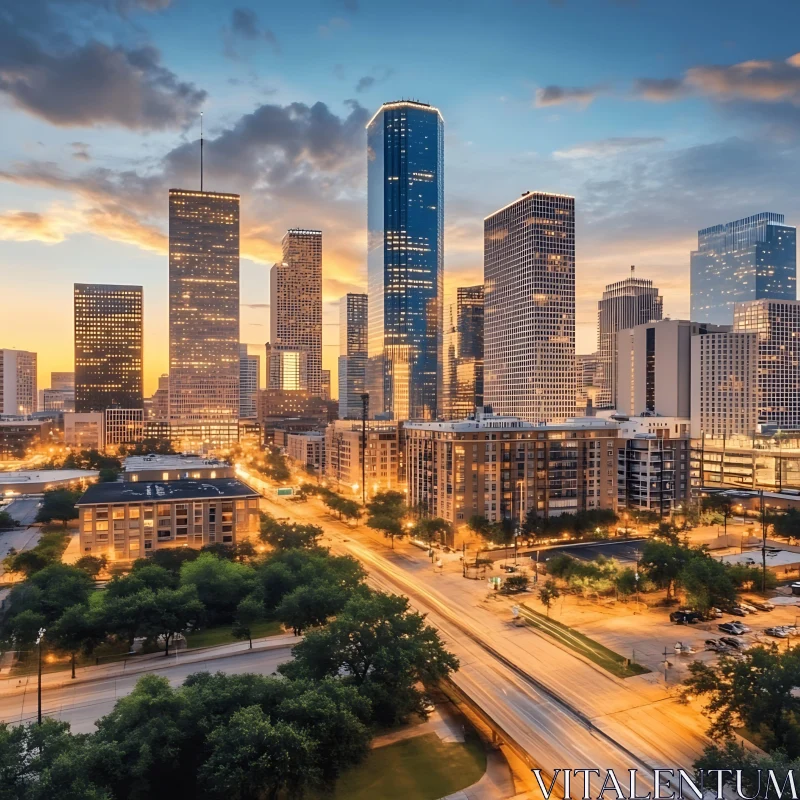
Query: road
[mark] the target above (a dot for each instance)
(562, 710)
(24, 511)
(83, 703)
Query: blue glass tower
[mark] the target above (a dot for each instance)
(405, 220)
(750, 259)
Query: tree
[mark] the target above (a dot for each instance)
(127, 616)
(74, 631)
(310, 605)
(221, 585)
(170, 558)
(625, 582)
(108, 475)
(51, 591)
(382, 648)
(386, 512)
(92, 565)
(431, 529)
(58, 504)
(24, 627)
(27, 562)
(663, 562)
(722, 505)
(548, 593)
(515, 583)
(787, 524)
(174, 612)
(708, 583)
(391, 527)
(7, 521)
(248, 613)
(253, 758)
(288, 536)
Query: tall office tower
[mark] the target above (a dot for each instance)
(62, 380)
(724, 385)
(295, 292)
(462, 384)
(405, 244)
(203, 317)
(108, 347)
(750, 259)
(287, 368)
(587, 382)
(18, 393)
(325, 384)
(159, 402)
(352, 354)
(654, 367)
(625, 304)
(249, 383)
(777, 323)
(529, 279)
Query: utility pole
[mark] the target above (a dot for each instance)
(39, 681)
(763, 545)
(666, 664)
(364, 409)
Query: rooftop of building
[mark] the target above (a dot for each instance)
(527, 195)
(155, 491)
(407, 103)
(45, 476)
(483, 421)
(157, 461)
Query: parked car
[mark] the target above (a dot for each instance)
(716, 612)
(738, 611)
(750, 609)
(685, 617)
(739, 644)
(763, 605)
(777, 632)
(712, 644)
(730, 627)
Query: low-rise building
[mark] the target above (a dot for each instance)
(85, 430)
(307, 449)
(124, 426)
(125, 521)
(20, 433)
(36, 481)
(156, 467)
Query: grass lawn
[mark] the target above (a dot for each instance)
(210, 637)
(422, 768)
(607, 659)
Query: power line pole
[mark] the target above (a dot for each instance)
(763, 545)
(364, 409)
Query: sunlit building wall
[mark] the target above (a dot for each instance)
(18, 393)
(352, 354)
(249, 383)
(287, 368)
(405, 218)
(529, 307)
(462, 384)
(749, 259)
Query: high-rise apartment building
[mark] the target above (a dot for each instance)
(18, 393)
(529, 279)
(749, 259)
(108, 347)
(724, 393)
(405, 243)
(777, 324)
(352, 354)
(462, 385)
(249, 383)
(624, 304)
(203, 318)
(295, 292)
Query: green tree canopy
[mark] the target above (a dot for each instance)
(221, 585)
(58, 504)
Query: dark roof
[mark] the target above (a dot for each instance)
(155, 491)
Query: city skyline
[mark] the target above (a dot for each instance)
(645, 138)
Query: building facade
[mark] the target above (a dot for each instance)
(625, 304)
(587, 383)
(58, 400)
(749, 259)
(62, 380)
(295, 291)
(405, 244)
(126, 521)
(109, 365)
(249, 383)
(203, 318)
(307, 449)
(724, 384)
(22, 433)
(155, 467)
(462, 384)
(777, 326)
(287, 369)
(353, 319)
(529, 280)
(18, 393)
(123, 426)
(85, 430)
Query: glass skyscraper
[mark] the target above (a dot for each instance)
(749, 259)
(405, 218)
(462, 385)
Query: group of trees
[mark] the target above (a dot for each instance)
(274, 465)
(59, 505)
(7, 521)
(48, 550)
(338, 506)
(600, 576)
(387, 512)
(582, 523)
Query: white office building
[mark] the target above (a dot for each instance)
(18, 393)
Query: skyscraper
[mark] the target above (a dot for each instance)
(203, 317)
(462, 385)
(405, 243)
(18, 393)
(529, 280)
(249, 383)
(108, 347)
(749, 259)
(352, 354)
(625, 304)
(287, 368)
(295, 292)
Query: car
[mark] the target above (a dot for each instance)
(712, 644)
(685, 617)
(750, 609)
(730, 627)
(763, 605)
(716, 612)
(777, 632)
(738, 611)
(731, 642)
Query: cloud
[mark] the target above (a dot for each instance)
(377, 75)
(561, 95)
(47, 73)
(332, 25)
(245, 27)
(80, 151)
(29, 226)
(605, 148)
(659, 90)
(365, 83)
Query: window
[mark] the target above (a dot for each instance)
(101, 526)
(118, 512)
(101, 512)
(134, 512)
(165, 476)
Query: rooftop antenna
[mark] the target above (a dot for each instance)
(201, 151)
(633, 266)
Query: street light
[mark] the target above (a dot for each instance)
(39, 682)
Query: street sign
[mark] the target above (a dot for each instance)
(285, 491)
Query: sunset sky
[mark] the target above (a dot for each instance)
(659, 117)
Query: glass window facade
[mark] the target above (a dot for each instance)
(405, 218)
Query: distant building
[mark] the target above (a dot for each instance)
(296, 302)
(62, 380)
(108, 347)
(625, 304)
(287, 369)
(353, 319)
(777, 324)
(203, 319)
(325, 384)
(36, 481)
(123, 426)
(155, 467)
(159, 405)
(529, 279)
(58, 400)
(405, 259)
(724, 384)
(749, 259)
(307, 449)
(587, 382)
(249, 383)
(85, 430)
(21, 433)
(462, 385)
(18, 393)
(125, 521)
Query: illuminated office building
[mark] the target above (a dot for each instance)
(405, 219)
(749, 259)
(287, 368)
(17, 382)
(203, 318)
(352, 354)
(462, 384)
(108, 347)
(529, 307)
(296, 301)
(249, 383)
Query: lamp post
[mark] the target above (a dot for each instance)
(39, 677)
(364, 409)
